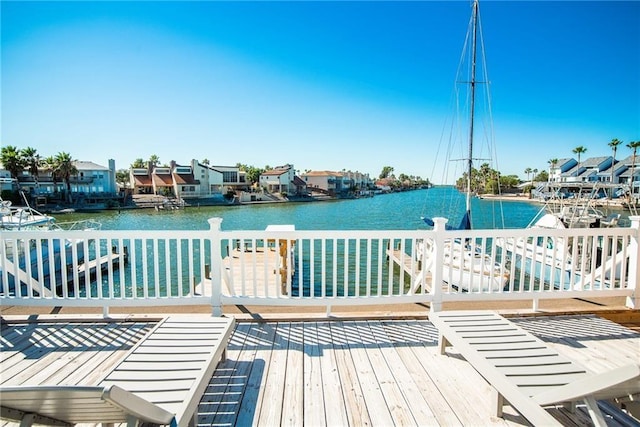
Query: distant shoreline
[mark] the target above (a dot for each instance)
(521, 197)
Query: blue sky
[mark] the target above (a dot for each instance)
(322, 85)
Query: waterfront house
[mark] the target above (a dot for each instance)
(185, 184)
(193, 181)
(279, 179)
(219, 180)
(323, 181)
(91, 182)
(561, 167)
(334, 183)
(623, 171)
(587, 170)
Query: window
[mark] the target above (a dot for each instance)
(230, 176)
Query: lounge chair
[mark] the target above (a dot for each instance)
(526, 372)
(165, 374)
(69, 405)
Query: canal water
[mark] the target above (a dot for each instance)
(395, 211)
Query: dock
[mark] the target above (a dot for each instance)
(254, 272)
(411, 268)
(91, 267)
(317, 372)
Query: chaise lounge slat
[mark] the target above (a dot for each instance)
(174, 364)
(69, 405)
(525, 371)
(160, 381)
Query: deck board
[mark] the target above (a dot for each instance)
(321, 373)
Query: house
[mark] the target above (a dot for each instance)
(561, 167)
(185, 185)
(280, 179)
(217, 180)
(193, 181)
(323, 181)
(90, 180)
(628, 171)
(587, 170)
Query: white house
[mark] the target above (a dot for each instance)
(279, 180)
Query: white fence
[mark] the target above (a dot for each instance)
(302, 268)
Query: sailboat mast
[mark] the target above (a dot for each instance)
(472, 82)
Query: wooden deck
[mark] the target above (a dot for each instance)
(383, 372)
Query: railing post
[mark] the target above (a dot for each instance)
(216, 266)
(633, 300)
(437, 265)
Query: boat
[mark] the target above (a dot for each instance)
(22, 218)
(33, 261)
(568, 263)
(468, 267)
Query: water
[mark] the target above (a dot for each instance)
(395, 211)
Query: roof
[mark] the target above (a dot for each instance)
(274, 172)
(142, 180)
(185, 179)
(299, 182)
(322, 173)
(85, 165)
(162, 179)
(594, 161)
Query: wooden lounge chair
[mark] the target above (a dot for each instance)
(166, 372)
(525, 371)
(69, 405)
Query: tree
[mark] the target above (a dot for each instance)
(12, 161)
(66, 169)
(634, 146)
(122, 177)
(579, 150)
(32, 162)
(552, 166)
(614, 147)
(528, 172)
(154, 160)
(386, 172)
(205, 161)
(138, 163)
(51, 165)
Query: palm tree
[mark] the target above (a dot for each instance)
(634, 146)
(51, 165)
(614, 146)
(154, 160)
(138, 163)
(12, 161)
(528, 172)
(579, 150)
(32, 162)
(66, 169)
(552, 166)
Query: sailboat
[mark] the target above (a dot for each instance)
(467, 266)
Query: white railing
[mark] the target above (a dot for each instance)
(303, 268)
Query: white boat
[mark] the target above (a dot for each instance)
(36, 263)
(571, 263)
(467, 266)
(21, 218)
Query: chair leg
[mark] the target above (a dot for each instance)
(27, 420)
(594, 412)
(443, 343)
(498, 400)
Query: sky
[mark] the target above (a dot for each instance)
(326, 85)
